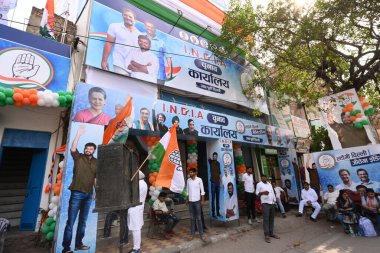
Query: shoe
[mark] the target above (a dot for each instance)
(249, 221)
(299, 215)
(220, 216)
(191, 238)
(312, 219)
(203, 238)
(83, 247)
(275, 236)
(214, 216)
(257, 220)
(267, 239)
(134, 251)
(283, 215)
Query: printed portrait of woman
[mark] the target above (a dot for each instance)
(94, 115)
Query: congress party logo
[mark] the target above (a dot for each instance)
(24, 68)
(326, 161)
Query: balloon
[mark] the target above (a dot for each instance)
(156, 193)
(41, 102)
(154, 198)
(358, 125)
(18, 97)
(150, 202)
(61, 93)
(33, 98)
(9, 101)
(2, 103)
(55, 209)
(55, 103)
(45, 229)
(55, 200)
(26, 101)
(52, 226)
(61, 164)
(51, 206)
(51, 213)
(47, 188)
(2, 96)
(49, 221)
(49, 236)
(8, 92)
(152, 188)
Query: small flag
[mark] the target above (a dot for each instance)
(167, 154)
(47, 21)
(118, 129)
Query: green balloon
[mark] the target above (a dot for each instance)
(150, 202)
(2, 89)
(69, 93)
(45, 229)
(69, 98)
(9, 101)
(61, 93)
(62, 99)
(2, 96)
(52, 227)
(49, 236)
(49, 221)
(358, 125)
(2, 103)
(9, 92)
(364, 122)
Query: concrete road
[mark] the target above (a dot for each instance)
(297, 235)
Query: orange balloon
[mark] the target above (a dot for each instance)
(365, 105)
(33, 91)
(18, 97)
(17, 90)
(25, 93)
(26, 101)
(33, 98)
(352, 118)
(18, 104)
(47, 188)
(359, 115)
(152, 179)
(349, 105)
(59, 176)
(361, 98)
(154, 174)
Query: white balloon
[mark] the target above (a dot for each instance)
(51, 213)
(40, 94)
(154, 198)
(55, 103)
(55, 200)
(48, 92)
(41, 102)
(55, 209)
(55, 95)
(150, 193)
(151, 188)
(61, 164)
(51, 206)
(55, 217)
(156, 193)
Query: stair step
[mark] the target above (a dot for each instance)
(11, 215)
(6, 173)
(13, 192)
(11, 200)
(11, 208)
(6, 186)
(16, 179)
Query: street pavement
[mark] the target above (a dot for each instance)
(297, 235)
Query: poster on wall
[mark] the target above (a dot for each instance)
(76, 222)
(344, 118)
(280, 116)
(301, 127)
(130, 42)
(348, 168)
(287, 161)
(222, 181)
(31, 62)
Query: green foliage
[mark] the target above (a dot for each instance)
(307, 52)
(320, 139)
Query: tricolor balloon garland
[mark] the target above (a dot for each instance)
(192, 155)
(154, 168)
(32, 97)
(48, 227)
(356, 116)
(239, 163)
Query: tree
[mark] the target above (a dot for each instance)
(308, 52)
(320, 139)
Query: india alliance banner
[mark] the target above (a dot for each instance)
(130, 42)
(350, 167)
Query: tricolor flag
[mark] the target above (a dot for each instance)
(47, 21)
(167, 154)
(118, 129)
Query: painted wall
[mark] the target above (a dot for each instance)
(36, 119)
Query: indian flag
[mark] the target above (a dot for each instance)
(167, 154)
(47, 21)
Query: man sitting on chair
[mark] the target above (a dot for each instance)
(309, 198)
(168, 216)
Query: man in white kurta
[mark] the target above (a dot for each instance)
(142, 62)
(136, 215)
(309, 198)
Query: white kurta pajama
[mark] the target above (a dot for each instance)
(136, 216)
(309, 195)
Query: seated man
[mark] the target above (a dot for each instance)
(309, 198)
(329, 206)
(170, 219)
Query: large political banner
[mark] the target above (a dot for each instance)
(31, 62)
(345, 120)
(98, 105)
(130, 42)
(287, 159)
(350, 167)
(222, 181)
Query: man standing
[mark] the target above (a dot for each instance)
(330, 202)
(267, 196)
(348, 135)
(82, 188)
(190, 130)
(277, 191)
(364, 180)
(309, 198)
(249, 192)
(231, 203)
(158, 48)
(142, 62)
(125, 38)
(143, 122)
(347, 183)
(136, 215)
(195, 201)
(215, 178)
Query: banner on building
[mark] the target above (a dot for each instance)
(222, 181)
(350, 167)
(301, 127)
(128, 41)
(31, 62)
(303, 145)
(290, 177)
(280, 116)
(158, 115)
(342, 115)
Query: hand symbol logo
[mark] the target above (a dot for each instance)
(24, 66)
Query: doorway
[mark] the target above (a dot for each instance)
(22, 170)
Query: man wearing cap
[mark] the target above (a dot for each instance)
(135, 215)
(265, 191)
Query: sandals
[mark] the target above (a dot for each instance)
(83, 247)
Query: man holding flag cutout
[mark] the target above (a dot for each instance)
(118, 129)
